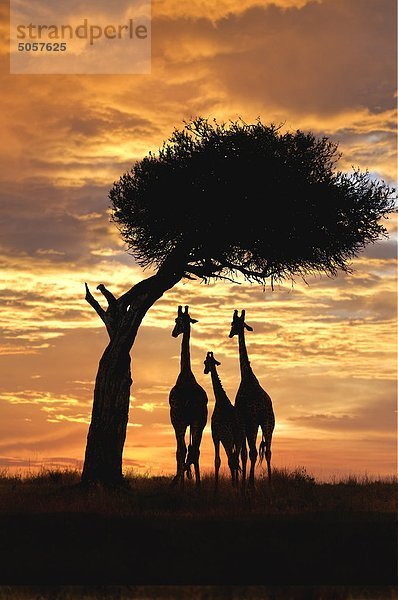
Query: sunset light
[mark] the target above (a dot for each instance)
(324, 349)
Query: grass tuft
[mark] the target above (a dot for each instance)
(292, 492)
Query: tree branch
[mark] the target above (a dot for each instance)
(168, 274)
(257, 275)
(108, 295)
(205, 274)
(93, 302)
(98, 309)
(212, 270)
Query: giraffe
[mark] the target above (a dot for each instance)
(225, 426)
(188, 405)
(253, 405)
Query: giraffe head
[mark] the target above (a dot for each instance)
(238, 324)
(183, 322)
(210, 362)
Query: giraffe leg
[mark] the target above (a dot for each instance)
(196, 437)
(180, 457)
(252, 438)
(230, 451)
(243, 454)
(217, 463)
(268, 455)
(232, 464)
(236, 453)
(265, 450)
(236, 467)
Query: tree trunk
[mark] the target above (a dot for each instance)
(107, 432)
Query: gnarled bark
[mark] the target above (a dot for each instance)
(122, 318)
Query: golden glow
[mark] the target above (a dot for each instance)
(325, 352)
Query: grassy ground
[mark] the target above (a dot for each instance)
(293, 492)
(302, 534)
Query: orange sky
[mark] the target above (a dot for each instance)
(325, 352)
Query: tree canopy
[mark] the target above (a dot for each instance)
(231, 198)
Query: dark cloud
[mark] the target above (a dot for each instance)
(101, 122)
(41, 442)
(385, 250)
(324, 57)
(45, 223)
(374, 417)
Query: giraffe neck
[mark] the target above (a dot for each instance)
(185, 353)
(219, 392)
(245, 368)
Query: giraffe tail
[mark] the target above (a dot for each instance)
(262, 449)
(189, 460)
(235, 458)
(188, 464)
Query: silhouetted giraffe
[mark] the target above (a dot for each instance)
(188, 405)
(225, 426)
(253, 405)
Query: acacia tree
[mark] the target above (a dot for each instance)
(218, 201)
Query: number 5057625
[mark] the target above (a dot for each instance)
(42, 46)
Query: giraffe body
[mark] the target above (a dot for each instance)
(226, 428)
(188, 406)
(253, 406)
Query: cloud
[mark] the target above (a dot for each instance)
(256, 60)
(322, 58)
(372, 418)
(209, 10)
